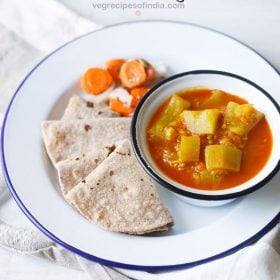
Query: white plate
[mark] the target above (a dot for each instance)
(199, 234)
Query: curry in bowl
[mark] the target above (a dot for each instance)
(208, 139)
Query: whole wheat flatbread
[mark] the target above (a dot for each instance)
(119, 196)
(79, 108)
(74, 138)
(72, 171)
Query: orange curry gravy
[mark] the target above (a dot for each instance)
(255, 153)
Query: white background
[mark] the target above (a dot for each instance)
(255, 22)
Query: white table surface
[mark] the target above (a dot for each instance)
(255, 22)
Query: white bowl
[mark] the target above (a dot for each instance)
(217, 80)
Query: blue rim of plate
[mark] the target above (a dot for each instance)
(149, 170)
(230, 251)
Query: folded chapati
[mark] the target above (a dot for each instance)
(79, 108)
(98, 173)
(119, 196)
(72, 171)
(66, 139)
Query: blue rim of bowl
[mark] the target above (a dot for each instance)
(91, 257)
(166, 184)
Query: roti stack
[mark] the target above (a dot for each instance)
(98, 173)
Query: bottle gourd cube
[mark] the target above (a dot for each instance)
(240, 119)
(222, 157)
(174, 108)
(189, 148)
(202, 122)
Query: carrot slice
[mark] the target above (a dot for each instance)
(137, 94)
(150, 70)
(114, 67)
(151, 73)
(132, 74)
(96, 80)
(117, 106)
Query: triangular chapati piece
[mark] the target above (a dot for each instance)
(79, 108)
(119, 196)
(74, 138)
(72, 171)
